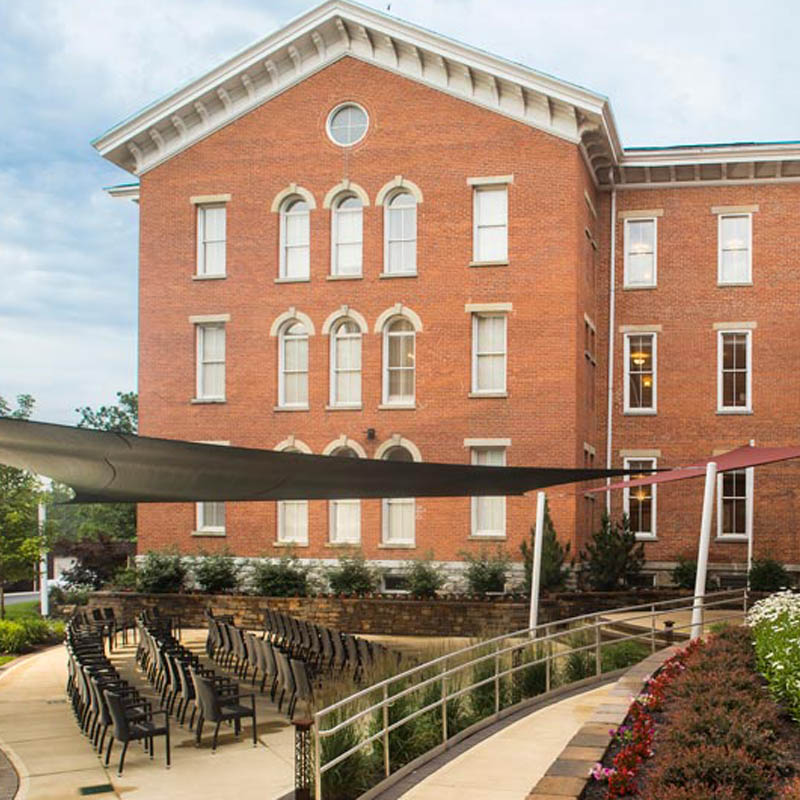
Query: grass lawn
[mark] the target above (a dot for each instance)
(5, 659)
(20, 610)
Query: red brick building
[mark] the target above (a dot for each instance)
(359, 238)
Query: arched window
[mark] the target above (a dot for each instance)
(398, 513)
(347, 236)
(400, 228)
(398, 362)
(294, 260)
(345, 515)
(293, 365)
(293, 516)
(346, 364)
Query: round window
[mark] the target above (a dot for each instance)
(347, 124)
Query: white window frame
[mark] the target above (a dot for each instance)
(749, 279)
(475, 501)
(290, 445)
(626, 374)
(200, 360)
(387, 240)
(627, 282)
(748, 407)
(642, 536)
(380, 453)
(476, 223)
(748, 514)
(200, 519)
(201, 270)
(281, 365)
(405, 401)
(283, 213)
(336, 369)
(335, 213)
(476, 315)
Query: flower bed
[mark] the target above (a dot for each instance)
(703, 728)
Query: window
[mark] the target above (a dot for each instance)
(488, 353)
(490, 236)
(640, 252)
(489, 513)
(734, 496)
(398, 513)
(399, 362)
(639, 503)
(292, 514)
(293, 365)
(294, 257)
(345, 515)
(590, 358)
(400, 226)
(211, 240)
(735, 235)
(346, 236)
(211, 362)
(211, 518)
(640, 373)
(346, 364)
(735, 373)
(347, 124)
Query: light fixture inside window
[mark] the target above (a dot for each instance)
(639, 358)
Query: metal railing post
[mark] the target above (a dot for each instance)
(497, 680)
(317, 765)
(653, 628)
(444, 707)
(386, 762)
(598, 661)
(744, 602)
(548, 654)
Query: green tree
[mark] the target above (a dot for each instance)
(122, 418)
(554, 574)
(613, 557)
(20, 540)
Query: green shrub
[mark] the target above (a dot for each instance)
(358, 772)
(554, 574)
(531, 680)
(486, 572)
(352, 576)
(685, 574)
(768, 575)
(125, 579)
(424, 577)
(284, 578)
(622, 654)
(613, 558)
(161, 573)
(217, 573)
(13, 638)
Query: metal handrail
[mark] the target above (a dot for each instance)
(498, 649)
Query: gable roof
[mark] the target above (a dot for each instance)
(339, 28)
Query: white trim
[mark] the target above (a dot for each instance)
(344, 441)
(477, 189)
(748, 407)
(587, 448)
(397, 310)
(748, 280)
(125, 191)
(209, 199)
(626, 500)
(588, 320)
(336, 210)
(344, 311)
(489, 534)
(290, 191)
(589, 203)
(282, 404)
(643, 214)
(638, 454)
(626, 374)
(345, 187)
(475, 390)
(490, 180)
(201, 529)
(334, 368)
(405, 401)
(640, 328)
(289, 314)
(386, 201)
(199, 335)
(333, 112)
(749, 489)
(487, 442)
(398, 182)
(627, 283)
(734, 210)
(478, 308)
(734, 326)
(284, 212)
(397, 440)
(202, 319)
(291, 443)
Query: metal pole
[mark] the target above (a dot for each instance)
(444, 706)
(653, 628)
(536, 566)
(317, 765)
(44, 596)
(750, 479)
(548, 654)
(387, 764)
(598, 661)
(702, 549)
(497, 680)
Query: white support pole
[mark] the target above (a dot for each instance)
(44, 596)
(750, 487)
(536, 567)
(702, 549)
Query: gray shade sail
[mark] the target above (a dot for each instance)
(107, 467)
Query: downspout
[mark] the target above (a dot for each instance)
(611, 323)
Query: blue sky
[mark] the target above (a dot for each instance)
(677, 72)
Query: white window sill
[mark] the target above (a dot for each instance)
(358, 277)
(487, 537)
(290, 408)
(293, 280)
(637, 288)
(358, 407)
(732, 537)
(208, 533)
(289, 544)
(397, 406)
(640, 412)
(726, 411)
(396, 545)
(385, 275)
(209, 277)
(498, 263)
(342, 544)
(199, 401)
(487, 394)
(723, 284)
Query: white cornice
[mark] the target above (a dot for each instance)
(124, 191)
(339, 28)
